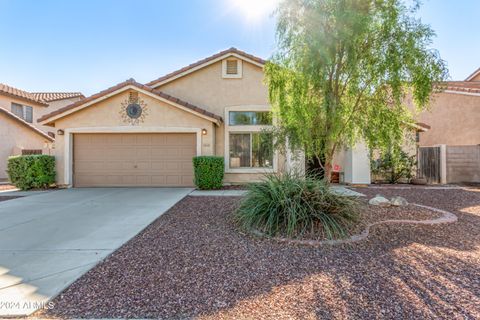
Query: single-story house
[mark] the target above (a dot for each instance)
(135, 134)
(20, 133)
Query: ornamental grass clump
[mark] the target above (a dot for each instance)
(290, 205)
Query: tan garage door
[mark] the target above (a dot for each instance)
(133, 159)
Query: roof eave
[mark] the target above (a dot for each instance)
(49, 119)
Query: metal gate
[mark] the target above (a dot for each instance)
(429, 164)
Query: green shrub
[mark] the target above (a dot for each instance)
(393, 166)
(291, 205)
(33, 171)
(209, 171)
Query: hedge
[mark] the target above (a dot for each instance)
(209, 172)
(32, 171)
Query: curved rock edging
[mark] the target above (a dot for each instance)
(447, 217)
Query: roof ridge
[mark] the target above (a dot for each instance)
(205, 60)
(56, 95)
(120, 85)
(19, 93)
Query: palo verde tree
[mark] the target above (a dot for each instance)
(341, 71)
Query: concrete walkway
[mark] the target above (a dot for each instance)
(238, 193)
(48, 240)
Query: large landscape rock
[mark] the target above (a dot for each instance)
(399, 201)
(379, 200)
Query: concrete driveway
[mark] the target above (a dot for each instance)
(48, 240)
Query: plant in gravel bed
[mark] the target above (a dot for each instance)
(295, 206)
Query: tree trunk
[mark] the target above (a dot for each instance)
(327, 171)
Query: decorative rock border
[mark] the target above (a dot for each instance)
(447, 217)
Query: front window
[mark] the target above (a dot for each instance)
(17, 109)
(28, 114)
(23, 112)
(251, 150)
(250, 118)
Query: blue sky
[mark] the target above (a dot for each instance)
(89, 45)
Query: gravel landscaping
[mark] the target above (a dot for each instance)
(193, 262)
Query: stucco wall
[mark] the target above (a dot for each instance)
(13, 138)
(6, 103)
(52, 106)
(463, 164)
(107, 113)
(207, 89)
(476, 78)
(38, 110)
(454, 120)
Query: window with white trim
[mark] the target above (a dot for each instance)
(23, 112)
(232, 68)
(248, 144)
(248, 118)
(250, 150)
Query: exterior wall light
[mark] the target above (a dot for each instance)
(204, 132)
(60, 132)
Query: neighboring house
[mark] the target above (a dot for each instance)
(454, 114)
(20, 132)
(55, 101)
(19, 137)
(451, 147)
(146, 135)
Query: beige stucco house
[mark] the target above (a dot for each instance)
(20, 133)
(136, 134)
(453, 136)
(454, 114)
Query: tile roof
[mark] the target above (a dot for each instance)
(461, 86)
(54, 96)
(206, 60)
(135, 84)
(26, 124)
(20, 94)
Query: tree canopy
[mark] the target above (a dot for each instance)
(342, 69)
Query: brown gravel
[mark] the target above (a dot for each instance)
(192, 262)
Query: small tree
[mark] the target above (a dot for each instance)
(394, 165)
(341, 71)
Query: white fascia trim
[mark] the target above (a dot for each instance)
(203, 65)
(246, 129)
(473, 75)
(129, 87)
(68, 136)
(464, 93)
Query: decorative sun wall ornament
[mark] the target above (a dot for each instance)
(133, 110)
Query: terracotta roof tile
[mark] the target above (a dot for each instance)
(54, 96)
(461, 86)
(20, 94)
(135, 84)
(26, 124)
(200, 62)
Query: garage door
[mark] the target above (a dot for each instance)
(133, 159)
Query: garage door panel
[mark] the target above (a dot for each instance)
(143, 159)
